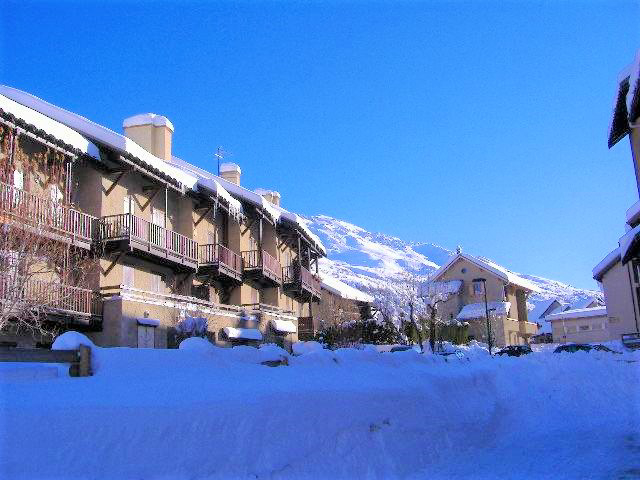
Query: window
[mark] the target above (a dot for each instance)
(585, 328)
(253, 243)
(464, 270)
(613, 320)
(18, 179)
(478, 288)
(146, 336)
(156, 283)
(211, 237)
(570, 329)
(255, 296)
(127, 275)
(129, 206)
(157, 217)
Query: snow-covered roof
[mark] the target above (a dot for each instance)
(588, 302)
(148, 322)
(449, 287)
(544, 308)
(577, 313)
(626, 104)
(230, 167)
(99, 134)
(52, 127)
(148, 119)
(242, 333)
(343, 290)
(486, 264)
(284, 326)
(606, 263)
(628, 243)
(633, 214)
(479, 310)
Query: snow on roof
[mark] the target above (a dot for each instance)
(242, 333)
(149, 322)
(52, 127)
(544, 308)
(577, 313)
(626, 103)
(606, 264)
(633, 213)
(490, 266)
(99, 134)
(148, 119)
(343, 290)
(589, 302)
(479, 310)
(452, 286)
(285, 326)
(230, 167)
(628, 243)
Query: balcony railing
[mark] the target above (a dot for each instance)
(49, 295)
(46, 213)
(303, 278)
(150, 236)
(214, 253)
(261, 260)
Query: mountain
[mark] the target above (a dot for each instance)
(374, 262)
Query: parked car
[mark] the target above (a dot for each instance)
(582, 347)
(515, 350)
(401, 348)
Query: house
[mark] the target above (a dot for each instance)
(538, 316)
(469, 281)
(580, 325)
(339, 303)
(618, 273)
(174, 244)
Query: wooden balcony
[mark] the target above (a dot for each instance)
(301, 282)
(51, 297)
(220, 262)
(51, 219)
(262, 267)
(128, 232)
(305, 328)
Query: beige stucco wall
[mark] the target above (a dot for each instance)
(568, 330)
(622, 308)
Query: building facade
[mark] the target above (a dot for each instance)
(171, 242)
(467, 281)
(618, 272)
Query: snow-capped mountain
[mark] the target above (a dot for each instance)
(375, 261)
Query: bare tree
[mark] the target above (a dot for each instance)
(433, 295)
(39, 274)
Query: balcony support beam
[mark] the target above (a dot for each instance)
(116, 181)
(156, 190)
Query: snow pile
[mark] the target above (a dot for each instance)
(71, 341)
(197, 344)
(152, 413)
(300, 348)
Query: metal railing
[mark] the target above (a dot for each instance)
(262, 259)
(49, 295)
(126, 225)
(215, 252)
(300, 275)
(45, 212)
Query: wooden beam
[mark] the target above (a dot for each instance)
(197, 222)
(148, 202)
(113, 264)
(116, 181)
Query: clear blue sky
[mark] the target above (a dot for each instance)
(474, 123)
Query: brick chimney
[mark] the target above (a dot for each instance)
(152, 132)
(231, 172)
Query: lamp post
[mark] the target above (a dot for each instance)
(486, 309)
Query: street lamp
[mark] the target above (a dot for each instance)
(486, 309)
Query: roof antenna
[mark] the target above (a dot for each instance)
(459, 249)
(220, 154)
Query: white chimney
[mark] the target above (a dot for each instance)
(152, 132)
(231, 172)
(269, 195)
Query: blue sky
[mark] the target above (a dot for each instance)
(481, 124)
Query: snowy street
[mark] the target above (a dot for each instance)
(218, 413)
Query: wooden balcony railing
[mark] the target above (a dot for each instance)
(49, 295)
(46, 213)
(215, 253)
(300, 276)
(260, 259)
(150, 235)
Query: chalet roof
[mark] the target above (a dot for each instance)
(473, 311)
(626, 105)
(491, 267)
(606, 264)
(102, 135)
(577, 313)
(629, 243)
(588, 302)
(544, 308)
(61, 134)
(343, 290)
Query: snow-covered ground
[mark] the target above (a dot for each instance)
(208, 413)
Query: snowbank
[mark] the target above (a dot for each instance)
(300, 348)
(178, 414)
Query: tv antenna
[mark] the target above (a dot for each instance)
(221, 155)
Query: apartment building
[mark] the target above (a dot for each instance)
(172, 242)
(619, 271)
(468, 281)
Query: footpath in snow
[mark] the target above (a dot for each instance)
(203, 412)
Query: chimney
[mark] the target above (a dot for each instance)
(270, 196)
(152, 132)
(230, 172)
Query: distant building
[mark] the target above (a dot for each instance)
(581, 325)
(619, 271)
(538, 316)
(506, 295)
